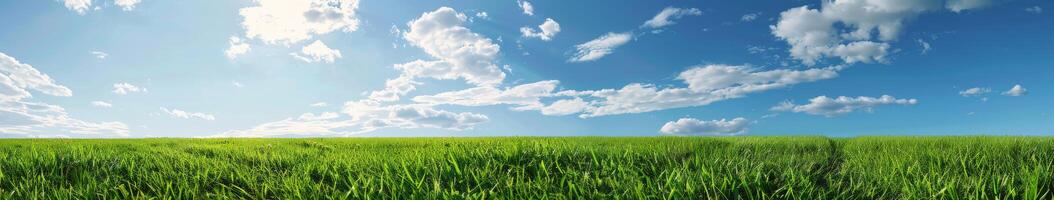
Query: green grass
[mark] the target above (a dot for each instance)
(531, 168)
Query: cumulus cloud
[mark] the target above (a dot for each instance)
(548, 29)
(831, 107)
(127, 5)
(668, 14)
(973, 92)
(813, 34)
(692, 126)
(101, 104)
(287, 22)
(459, 53)
(125, 88)
(317, 52)
(600, 47)
(20, 117)
(79, 6)
(1017, 90)
(528, 9)
(187, 115)
(237, 47)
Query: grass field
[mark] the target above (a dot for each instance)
(531, 168)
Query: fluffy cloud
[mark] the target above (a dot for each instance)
(237, 47)
(127, 5)
(287, 22)
(813, 34)
(18, 116)
(973, 92)
(80, 6)
(528, 9)
(600, 47)
(831, 107)
(317, 52)
(459, 53)
(565, 107)
(548, 29)
(691, 126)
(125, 88)
(101, 104)
(187, 115)
(1017, 90)
(665, 17)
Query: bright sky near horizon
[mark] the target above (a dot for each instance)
(285, 68)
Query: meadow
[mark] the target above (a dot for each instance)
(530, 168)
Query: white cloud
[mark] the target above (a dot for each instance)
(237, 47)
(237, 84)
(125, 88)
(548, 29)
(749, 17)
(706, 84)
(925, 46)
(665, 17)
(459, 53)
(101, 104)
(482, 15)
(287, 22)
(528, 9)
(973, 92)
(319, 104)
(1017, 90)
(600, 47)
(80, 6)
(127, 5)
(565, 107)
(692, 126)
(99, 54)
(1034, 9)
(831, 107)
(365, 116)
(525, 96)
(21, 117)
(187, 115)
(16, 78)
(317, 52)
(813, 35)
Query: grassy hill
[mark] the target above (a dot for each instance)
(531, 168)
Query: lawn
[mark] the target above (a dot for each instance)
(531, 168)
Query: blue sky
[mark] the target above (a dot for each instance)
(279, 68)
